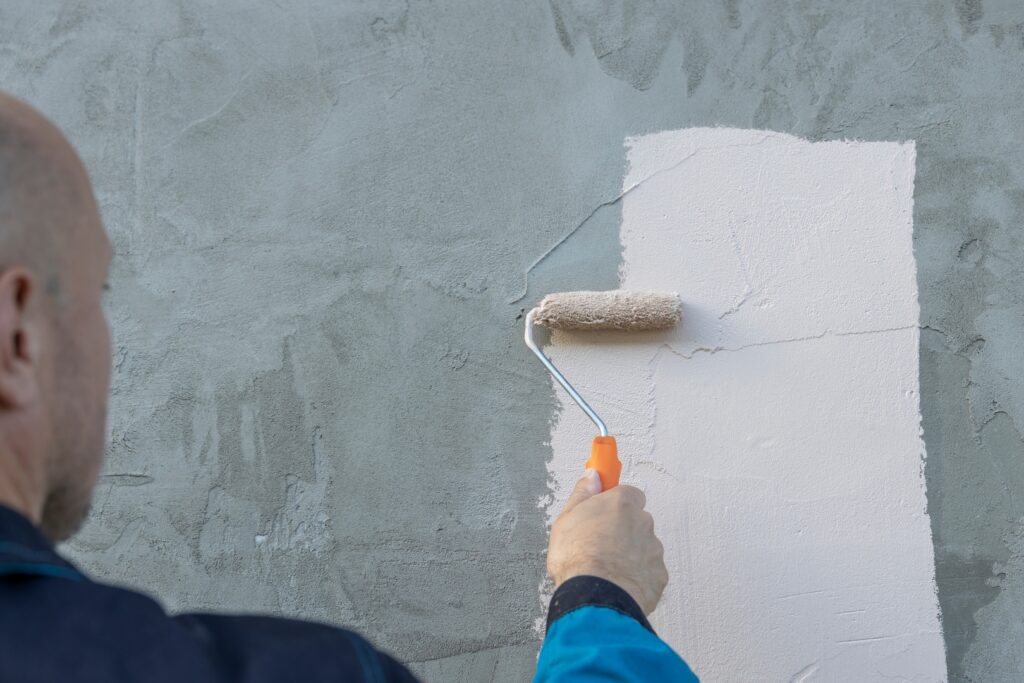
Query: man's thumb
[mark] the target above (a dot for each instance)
(589, 485)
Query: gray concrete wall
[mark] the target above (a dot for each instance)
(328, 217)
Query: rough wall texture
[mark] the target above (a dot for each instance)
(328, 216)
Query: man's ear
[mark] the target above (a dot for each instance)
(18, 338)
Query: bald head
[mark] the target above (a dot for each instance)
(45, 194)
(54, 342)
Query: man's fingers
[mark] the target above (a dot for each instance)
(648, 521)
(588, 486)
(630, 495)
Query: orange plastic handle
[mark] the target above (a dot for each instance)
(604, 457)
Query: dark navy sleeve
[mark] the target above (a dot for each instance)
(597, 632)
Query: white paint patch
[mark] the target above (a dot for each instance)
(777, 431)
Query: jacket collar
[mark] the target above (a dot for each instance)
(25, 551)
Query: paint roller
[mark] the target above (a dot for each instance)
(622, 310)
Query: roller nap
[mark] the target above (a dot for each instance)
(621, 309)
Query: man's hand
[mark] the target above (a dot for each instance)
(611, 536)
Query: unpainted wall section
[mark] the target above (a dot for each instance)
(328, 217)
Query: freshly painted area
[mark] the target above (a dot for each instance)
(776, 432)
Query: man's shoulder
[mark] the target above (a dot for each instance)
(118, 633)
(57, 624)
(35, 581)
(286, 648)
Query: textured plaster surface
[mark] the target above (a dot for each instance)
(776, 432)
(328, 216)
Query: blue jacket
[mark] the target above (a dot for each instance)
(57, 625)
(597, 632)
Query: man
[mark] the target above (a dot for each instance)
(57, 625)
